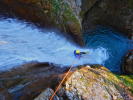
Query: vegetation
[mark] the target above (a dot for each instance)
(127, 80)
(68, 14)
(61, 8)
(56, 6)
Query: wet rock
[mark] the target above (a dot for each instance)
(128, 63)
(91, 83)
(46, 95)
(5, 95)
(29, 80)
(33, 81)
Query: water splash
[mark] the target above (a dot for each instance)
(22, 43)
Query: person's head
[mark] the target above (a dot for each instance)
(77, 51)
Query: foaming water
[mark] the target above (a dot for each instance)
(116, 45)
(21, 43)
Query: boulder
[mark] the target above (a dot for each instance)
(128, 63)
(46, 95)
(91, 83)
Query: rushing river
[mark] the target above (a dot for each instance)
(22, 43)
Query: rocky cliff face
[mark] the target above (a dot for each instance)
(70, 16)
(115, 13)
(89, 84)
(38, 81)
(128, 63)
(29, 80)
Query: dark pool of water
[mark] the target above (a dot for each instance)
(116, 45)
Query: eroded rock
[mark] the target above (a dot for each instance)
(128, 63)
(5, 95)
(46, 95)
(29, 80)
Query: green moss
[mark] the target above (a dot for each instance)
(127, 80)
(68, 14)
(56, 5)
(119, 99)
(113, 78)
(81, 79)
(61, 10)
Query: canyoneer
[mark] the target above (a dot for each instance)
(78, 53)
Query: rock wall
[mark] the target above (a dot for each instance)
(115, 13)
(29, 80)
(128, 63)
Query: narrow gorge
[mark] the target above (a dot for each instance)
(37, 43)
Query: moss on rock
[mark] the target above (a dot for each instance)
(127, 80)
(89, 82)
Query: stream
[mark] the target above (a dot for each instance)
(22, 42)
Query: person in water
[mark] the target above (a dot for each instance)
(78, 54)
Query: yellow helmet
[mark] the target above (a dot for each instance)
(77, 51)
